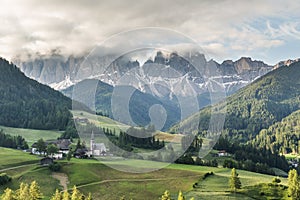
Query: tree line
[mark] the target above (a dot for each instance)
(251, 158)
(15, 142)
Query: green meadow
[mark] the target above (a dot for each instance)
(31, 135)
(106, 183)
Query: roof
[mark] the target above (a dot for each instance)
(99, 146)
(46, 160)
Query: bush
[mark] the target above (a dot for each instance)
(4, 178)
(276, 180)
(55, 167)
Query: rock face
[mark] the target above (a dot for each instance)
(162, 74)
(286, 63)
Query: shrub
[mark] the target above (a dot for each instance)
(4, 178)
(55, 167)
(276, 180)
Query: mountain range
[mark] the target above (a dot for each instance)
(253, 113)
(178, 82)
(60, 72)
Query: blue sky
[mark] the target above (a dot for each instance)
(264, 30)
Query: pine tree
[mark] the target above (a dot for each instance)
(180, 196)
(8, 195)
(66, 195)
(23, 192)
(293, 185)
(69, 155)
(75, 194)
(34, 191)
(166, 195)
(290, 181)
(57, 195)
(296, 194)
(89, 197)
(234, 181)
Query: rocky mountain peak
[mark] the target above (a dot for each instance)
(286, 63)
(61, 73)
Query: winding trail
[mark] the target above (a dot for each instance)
(63, 179)
(20, 166)
(128, 180)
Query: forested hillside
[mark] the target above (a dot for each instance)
(282, 137)
(25, 103)
(266, 101)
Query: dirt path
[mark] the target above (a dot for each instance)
(11, 168)
(127, 180)
(63, 179)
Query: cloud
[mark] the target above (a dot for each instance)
(74, 27)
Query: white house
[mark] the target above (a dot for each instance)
(61, 144)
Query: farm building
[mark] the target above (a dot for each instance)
(46, 161)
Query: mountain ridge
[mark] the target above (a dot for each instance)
(60, 73)
(266, 101)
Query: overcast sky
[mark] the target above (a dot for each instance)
(263, 30)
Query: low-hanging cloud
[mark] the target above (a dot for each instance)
(75, 27)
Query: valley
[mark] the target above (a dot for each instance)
(261, 128)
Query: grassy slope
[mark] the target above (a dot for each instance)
(23, 168)
(106, 183)
(106, 122)
(99, 179)
(13, 158)
(31, 135)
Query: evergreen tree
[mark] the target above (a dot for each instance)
(89, 197)
(57, 195)
(23, 192)
(166, 195)
(66, 195)
(234, 181)
(180, 196)
(8, 195)
(293, 185)
(34, 191)
(75, 194)
(69, 155)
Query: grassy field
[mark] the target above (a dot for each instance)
(107, 183)
(23, 167)
(106, 122)
(31, 135)
(13, 158)
(101, 121)
(98, 179)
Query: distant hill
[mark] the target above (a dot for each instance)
(25, 103)
(257, 106)
(139, 103)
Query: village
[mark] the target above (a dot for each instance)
(65, 148)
